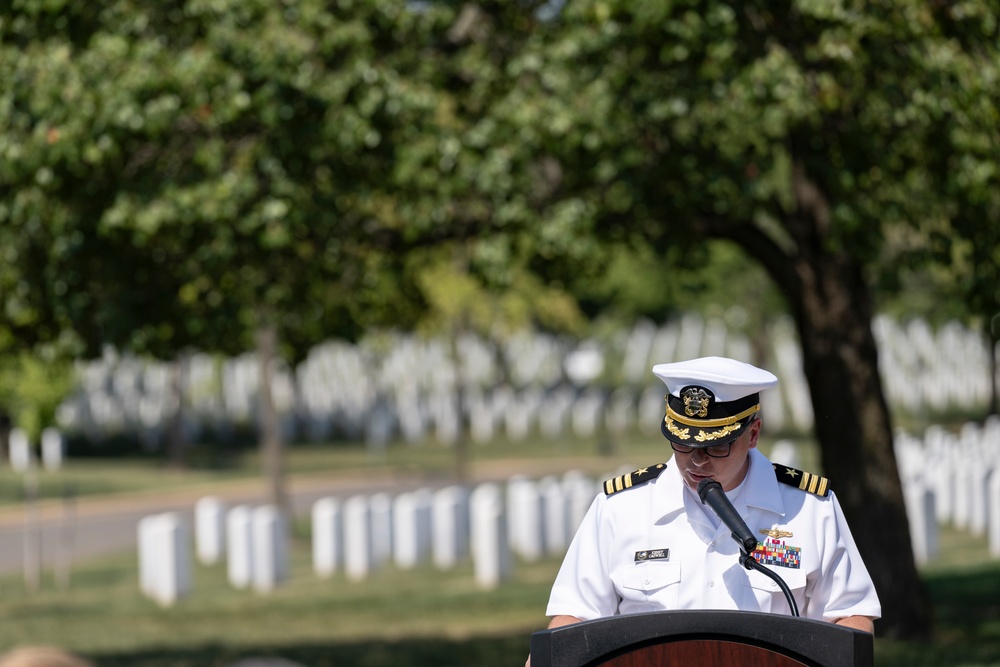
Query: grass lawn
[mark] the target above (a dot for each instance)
(418, 617)
(965, 588)
(412, 618)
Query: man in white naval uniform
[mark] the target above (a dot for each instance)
(648, 543)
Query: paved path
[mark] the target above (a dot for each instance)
(94, 526)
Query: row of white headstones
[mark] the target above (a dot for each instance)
(947, 478)
(21, 456)
(951, 478)
(493, 524)
(404, 386)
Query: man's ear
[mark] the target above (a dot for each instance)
(754, 433)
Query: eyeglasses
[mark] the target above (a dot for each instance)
(715, 451)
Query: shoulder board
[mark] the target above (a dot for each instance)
(640, 476)
(806, 481)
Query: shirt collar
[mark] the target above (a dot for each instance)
(761, 491)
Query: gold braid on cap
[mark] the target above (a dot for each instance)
(709, 423)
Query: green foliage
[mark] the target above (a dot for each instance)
(32, 388)
(177, 173)
(180, 175)
(461, 299)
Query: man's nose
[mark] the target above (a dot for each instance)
(699, 457)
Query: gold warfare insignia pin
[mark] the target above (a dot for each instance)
(775, 533)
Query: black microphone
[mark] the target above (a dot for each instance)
(711, 494)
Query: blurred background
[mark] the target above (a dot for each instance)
(322, 321)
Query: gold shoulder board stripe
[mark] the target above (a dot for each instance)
(806, 481)
(627, 481)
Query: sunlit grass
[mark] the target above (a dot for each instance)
(964, 586)
(399, 618)
(402, 618)
(102, 615)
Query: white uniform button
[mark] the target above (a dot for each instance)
(711, 584)
(647, 582)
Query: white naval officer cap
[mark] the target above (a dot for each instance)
(710, 399)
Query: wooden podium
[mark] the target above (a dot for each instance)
(702, 639)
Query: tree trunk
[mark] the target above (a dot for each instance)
(992, 340)
(853, 427)
(175, 441)
(462, 438)
(832, 307)
(5, 426)
(272, 452)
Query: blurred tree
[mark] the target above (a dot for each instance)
(460, 301)
(201, 174)
(32, 388)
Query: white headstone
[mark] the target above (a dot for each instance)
(994, 516)
(53, 448)
(524, 518)
(580, 491)
(210, 529)
(921, 515)
(635, 364)
(19, 449)
(584, 364)
(270, 548)
(380, 520)
(714, 340)
(358, 562)
(690, 337)
(555, 532)
(327, 537)
(587, 412)
(942, 479)
(786, 453)
(450, 524)
(492, 564)
(652, 407)
(165, 564)
(411, 529)
(664, 347)
(620, 412)
(553, 415)
(239, 546)
(962, 510)
(980, 473)
(481, 421)
(517, 421)
(146, 553)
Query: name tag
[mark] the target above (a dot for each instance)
(652, 554)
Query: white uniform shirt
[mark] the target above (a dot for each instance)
(656, 547)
